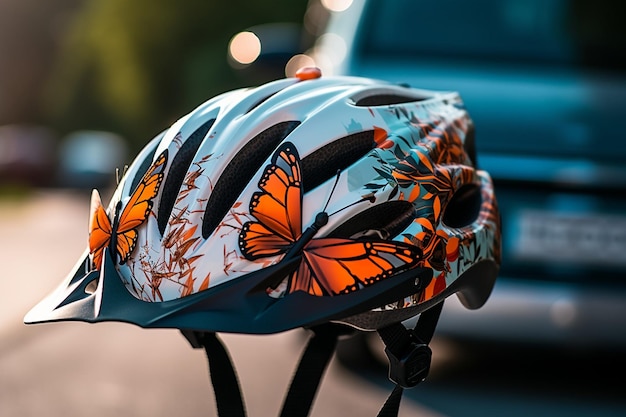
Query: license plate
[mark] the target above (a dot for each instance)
(577, 239)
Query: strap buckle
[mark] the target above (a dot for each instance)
(412, 366)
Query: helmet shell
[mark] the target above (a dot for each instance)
(338, 199)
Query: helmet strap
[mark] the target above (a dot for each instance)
(313, 363)
(304, 384)
(407, 350)
(223, 376)
(409, 355)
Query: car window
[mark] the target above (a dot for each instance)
(554, 32)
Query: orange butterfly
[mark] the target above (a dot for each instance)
(122, 234)
(328, 266)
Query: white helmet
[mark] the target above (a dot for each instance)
(302, 202)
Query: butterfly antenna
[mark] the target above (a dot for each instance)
(368, 197)
(118, 176)
(332, 190)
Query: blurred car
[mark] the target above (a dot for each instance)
(545, 83)
(27, 155)
(89, 159)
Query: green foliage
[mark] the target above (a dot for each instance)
(134, 67)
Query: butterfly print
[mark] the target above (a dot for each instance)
(328, 266)
(122, 233)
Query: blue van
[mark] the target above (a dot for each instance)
(545, 82)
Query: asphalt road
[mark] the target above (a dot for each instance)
(115, 369)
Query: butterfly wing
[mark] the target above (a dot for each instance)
(139, 207)
(334, 266)
(277, 208)
(99, 229)
(257, 241)
(329, 266)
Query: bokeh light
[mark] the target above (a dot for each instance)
(336, 5)
(296, 62)
(244, 48)
(335, 50)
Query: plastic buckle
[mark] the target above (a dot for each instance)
(412, 367)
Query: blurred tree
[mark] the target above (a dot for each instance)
(135, 67)
(30, 32)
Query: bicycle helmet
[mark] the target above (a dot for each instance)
(315, 202)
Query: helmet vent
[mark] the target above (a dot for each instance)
(386, 100)
(240, 171)
(258, 103)
(464, 206)
(470, 143)
(388, 219)
(145, 164)
(322, 164)
(178, 170)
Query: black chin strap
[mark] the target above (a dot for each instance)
(223, 377)
(304, 384)
(409, 355)
(310, 371)
(409, 362)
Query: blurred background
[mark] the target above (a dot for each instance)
(88, 68)
(84, 84)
